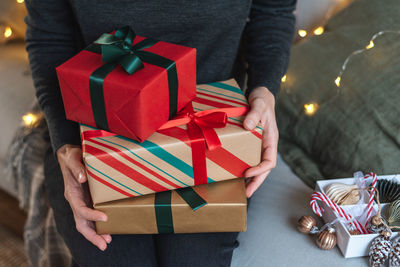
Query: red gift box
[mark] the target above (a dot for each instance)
(132, 105)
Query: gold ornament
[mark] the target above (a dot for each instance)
(327, 239)
(343, 194)
(306, 223)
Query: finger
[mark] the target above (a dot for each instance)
(107, 238)
(270, 150)
(262, 167)
(75, 197)
(255, 183)
(253, 117)
(76, 166)
(89, 233)
(91, 214)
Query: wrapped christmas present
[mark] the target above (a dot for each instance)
(205, 143)
(168, 212)
(127, 84)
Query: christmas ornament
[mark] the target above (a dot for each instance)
(307, 224)
(393, 213)
(327, 238)
(379, 250)
(376, 224)
(389, 190)
(394, 255)
(343, 194)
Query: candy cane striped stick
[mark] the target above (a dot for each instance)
(371, 195)
(337, 209)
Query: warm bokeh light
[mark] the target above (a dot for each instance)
(29, 119)
(318, 31)
(283, 78)
(302, 33)
(370, 45)
(20, 1)
(310, 108)
(7, 32)
(337, 81)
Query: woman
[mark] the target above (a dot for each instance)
(58, 29)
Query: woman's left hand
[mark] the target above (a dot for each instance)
(262, 110)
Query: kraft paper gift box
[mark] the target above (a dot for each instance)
(225, 212)
(127, 84)
(176, 156)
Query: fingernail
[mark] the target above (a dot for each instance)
(103, 247)
(81, 177)
(104, 218)
(108, 239)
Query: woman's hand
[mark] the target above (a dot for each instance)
(262, 109)
(76, 193)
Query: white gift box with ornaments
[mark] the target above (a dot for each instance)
(352, 245)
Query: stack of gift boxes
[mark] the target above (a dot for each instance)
(154, 142)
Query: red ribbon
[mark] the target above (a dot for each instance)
(200, 127)
(201, 131)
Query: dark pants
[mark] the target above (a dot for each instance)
(207, 249)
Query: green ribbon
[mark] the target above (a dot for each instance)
(163, 210)
(116, 50)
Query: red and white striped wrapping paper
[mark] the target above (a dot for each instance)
(118, 167)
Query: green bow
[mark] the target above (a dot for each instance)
(118, 49)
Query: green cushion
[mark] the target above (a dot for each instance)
(357, 126)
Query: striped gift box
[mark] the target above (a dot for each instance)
(119, 167)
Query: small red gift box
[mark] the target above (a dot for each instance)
(127, 84)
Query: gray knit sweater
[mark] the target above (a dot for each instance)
(226, 33)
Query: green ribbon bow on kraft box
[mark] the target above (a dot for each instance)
(127, 84)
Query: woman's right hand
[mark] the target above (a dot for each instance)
(77, 194)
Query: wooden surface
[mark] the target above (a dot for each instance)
(11, 216)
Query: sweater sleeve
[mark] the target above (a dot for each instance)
(50, 41)
(268, 35)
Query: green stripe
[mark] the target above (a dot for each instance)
(194, 200)
(241, 100)
(226, 87)
(130, 151)
(167, 157)
(112, 179)
(162, 206)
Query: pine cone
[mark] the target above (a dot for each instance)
(394, 255)
(379, 251)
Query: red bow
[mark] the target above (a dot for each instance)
(200, 126)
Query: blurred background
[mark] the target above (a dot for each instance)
(314, 143)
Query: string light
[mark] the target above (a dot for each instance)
(318, 31)
(7, 32)
(283, 78)
(370, 45)
(337, 81)
(310, 108)
(29, 119)
(20, 1)
(302, 33)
